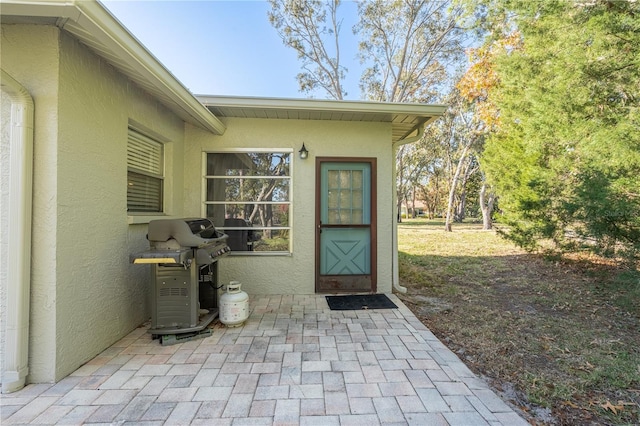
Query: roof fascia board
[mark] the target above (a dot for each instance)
(43, 9)
(92, 16)
(323, 105)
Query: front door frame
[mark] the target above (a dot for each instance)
(373, 277)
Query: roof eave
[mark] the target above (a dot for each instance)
(96, 20)
(424, 124)
(425, 114)
(321, 104)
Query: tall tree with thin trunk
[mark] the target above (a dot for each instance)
(459, 136)
(407, 45)
(452, 190)
(487, 200)
(312, 28)
(475, 86)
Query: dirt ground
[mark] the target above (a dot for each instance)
(560, 340)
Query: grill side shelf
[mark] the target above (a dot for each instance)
(162, 256)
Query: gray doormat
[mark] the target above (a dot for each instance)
(359, 301)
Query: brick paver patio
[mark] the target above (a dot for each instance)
(293, 362)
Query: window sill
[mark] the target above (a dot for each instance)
(145, 218)
(259, 253)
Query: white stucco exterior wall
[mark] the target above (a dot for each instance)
(36, 67)
(85, 294)
(295, 273)
(94, 240)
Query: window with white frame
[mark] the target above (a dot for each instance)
(145, 173)
(248, 196)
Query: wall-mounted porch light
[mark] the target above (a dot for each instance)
(303, 152)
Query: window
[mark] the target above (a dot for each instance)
(247, 195)
(345, 192)
(145, 173)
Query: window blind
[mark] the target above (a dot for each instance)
(144, 154)
(144, 173)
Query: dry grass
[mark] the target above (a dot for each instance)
(559, 339)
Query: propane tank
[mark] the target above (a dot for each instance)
(234, 305)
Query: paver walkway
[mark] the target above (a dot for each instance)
(293, 362)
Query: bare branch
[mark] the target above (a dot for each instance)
(302, 25)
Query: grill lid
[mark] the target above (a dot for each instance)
(186, 232)
(182, 240)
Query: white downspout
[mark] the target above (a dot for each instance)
(16, 351)
(394, 227)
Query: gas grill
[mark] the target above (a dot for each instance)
(184, 256)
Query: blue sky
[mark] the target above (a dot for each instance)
(226, 47)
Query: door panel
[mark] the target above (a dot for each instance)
(345, 225)
(345, 251)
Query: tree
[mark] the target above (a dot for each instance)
(479, 82)
(268, 164)
(477, 86)
(302, 25)
(413, 166)
(465, 138)
(565, 154)
(487, 200)
(431, 163)
(432, 193)
(408, 46)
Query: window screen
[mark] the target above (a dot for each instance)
(248, 196)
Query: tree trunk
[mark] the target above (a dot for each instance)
(462, 205)
(486, 206)
(469, 169)
(413, 204)
(452, 190)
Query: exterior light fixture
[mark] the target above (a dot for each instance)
(303, 152)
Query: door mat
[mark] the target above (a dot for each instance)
(359, 301)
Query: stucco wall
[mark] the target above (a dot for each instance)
(85, 293)
(30, 55)
(295, 274)
(94, 241)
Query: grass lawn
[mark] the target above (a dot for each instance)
(560, 339)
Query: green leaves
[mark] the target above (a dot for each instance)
(566, 156)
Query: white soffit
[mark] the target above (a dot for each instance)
(90, 23)
(405, 118)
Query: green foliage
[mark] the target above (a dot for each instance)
(566, 157)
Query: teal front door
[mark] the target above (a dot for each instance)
(345, 224)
